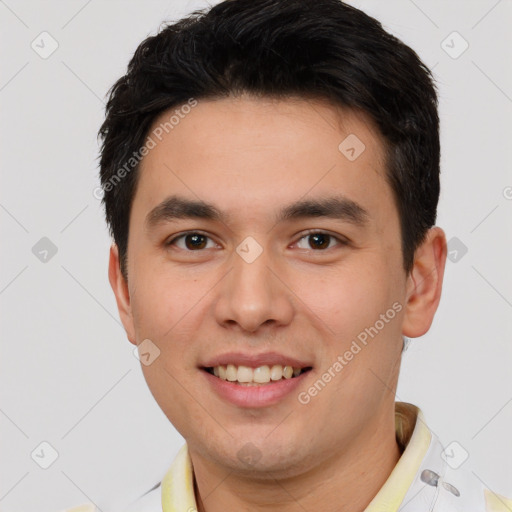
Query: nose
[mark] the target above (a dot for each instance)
(253, 296)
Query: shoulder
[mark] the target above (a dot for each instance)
(440, 482)
(496, 502)
(464, 488)
(461, 488)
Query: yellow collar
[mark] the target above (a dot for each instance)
(412, 435)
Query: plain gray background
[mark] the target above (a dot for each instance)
(69, 376)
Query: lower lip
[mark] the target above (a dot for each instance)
(254, 396)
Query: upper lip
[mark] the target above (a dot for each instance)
(255, 360)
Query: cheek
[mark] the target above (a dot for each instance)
(165, 299)
(164, 378)
(346, 300)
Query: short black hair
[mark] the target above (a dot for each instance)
(321, 49)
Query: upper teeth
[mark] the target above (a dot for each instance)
(261, 375)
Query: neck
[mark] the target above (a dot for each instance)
(346, 482)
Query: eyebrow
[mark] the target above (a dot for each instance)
(338, 207)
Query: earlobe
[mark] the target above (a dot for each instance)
(121, 292)
(424, 284)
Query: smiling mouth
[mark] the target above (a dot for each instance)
(260, 376)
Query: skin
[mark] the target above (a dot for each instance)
(250, 157)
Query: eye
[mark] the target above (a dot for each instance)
(191, 241)
(319, 240)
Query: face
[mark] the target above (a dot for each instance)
(257, 241)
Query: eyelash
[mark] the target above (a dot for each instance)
(340, 241)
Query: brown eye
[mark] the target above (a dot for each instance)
(191, 242)
(319, 240)
(195, 241)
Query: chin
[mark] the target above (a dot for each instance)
(265, 459)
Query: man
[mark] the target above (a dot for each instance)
(271, 178)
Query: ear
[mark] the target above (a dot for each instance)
(121, 292)
(424, 284)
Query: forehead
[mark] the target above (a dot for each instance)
(257, 152)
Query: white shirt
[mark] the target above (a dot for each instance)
(427, 478)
